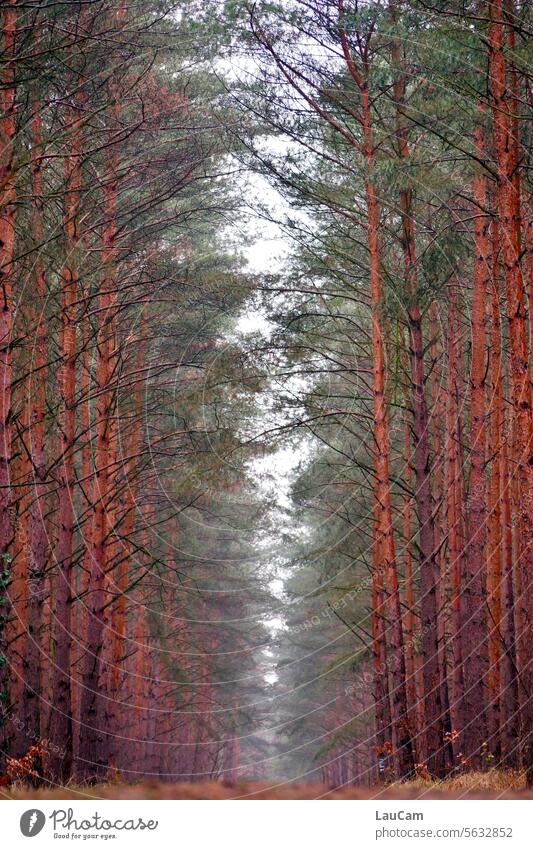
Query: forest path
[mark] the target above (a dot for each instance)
(252, 790)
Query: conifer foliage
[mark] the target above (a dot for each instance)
(159, 615)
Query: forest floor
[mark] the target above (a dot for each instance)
(483, 785)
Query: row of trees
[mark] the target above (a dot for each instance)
(121, 641)
(136, 562)
(404, 149)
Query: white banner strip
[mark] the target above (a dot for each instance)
(268, 824)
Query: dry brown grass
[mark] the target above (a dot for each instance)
(493, 784)
(493, 781)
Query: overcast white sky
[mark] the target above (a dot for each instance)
(273, 473)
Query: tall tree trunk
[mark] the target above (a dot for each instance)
(497, 697)
(382, 496)
(506, 149)
(510, 673)
(400, 713)
(61, 719)
(79, 657)
(429, 567)
(94, 742)
(383, 725)
(7, 242)
(474, 630)
(16, 627)
(453, 520)
(409, 618)
(37, 554)
(92, 754)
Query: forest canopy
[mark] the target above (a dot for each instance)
(265, 391)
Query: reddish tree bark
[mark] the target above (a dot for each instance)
(382, 486)
(37, 543)
(94, 741)
(379, 650)
(16, 626)
(7, 240)
(429, 567)
(506, 150)
(453, 517)
(61, 719)
(502, 645)
(510, 671)
(409, 616)
(494, 404)
(474, 628)
(399, 711)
